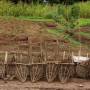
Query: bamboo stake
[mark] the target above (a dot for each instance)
(21, 57)
(72, 56)
(45, 53)
(87, 55)
(6, 57)
(41, 50)
(64, 55)
(79, 54)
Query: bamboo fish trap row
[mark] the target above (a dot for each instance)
(49, 57)
(58, 64)
(51, 70)
(44, 58)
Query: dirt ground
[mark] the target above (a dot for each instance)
(75, 84)
(15, 30)
(14, 27)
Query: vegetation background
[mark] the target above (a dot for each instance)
(39, 10)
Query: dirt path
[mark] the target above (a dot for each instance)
(76, 84)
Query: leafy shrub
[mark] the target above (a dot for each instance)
(70, 21)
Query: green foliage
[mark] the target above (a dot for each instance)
(85, 34)
(20, 9)
(68, 17)
(41, 10)
(84, 22)
(74, 16)
(84, 9)
(75, 12)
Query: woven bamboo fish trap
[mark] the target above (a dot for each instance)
(10, 66)
(82, 64)
(66, 66)
(65, 72)
(36, 59)
(51, 53)
(51, 71)
(22, 58)
(36, 72)
(2, 65)
(88, 68)
(21, 72)
(17, 59)
(83, 69)
(2, 71)
(21, 68)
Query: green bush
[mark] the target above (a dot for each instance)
(69, 21)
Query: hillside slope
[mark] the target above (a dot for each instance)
(15, 27)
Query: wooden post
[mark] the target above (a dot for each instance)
(79, 54)
(45, 52)
(72, 56)
(21, 57)
(41, 49)
(57, 51)
(6, 57)
(87, 55)
(30, 51)
(64, 55)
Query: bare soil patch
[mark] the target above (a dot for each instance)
(75, 84)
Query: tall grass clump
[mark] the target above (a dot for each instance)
(39, 10)
(20, 9)
(84, 9)
(9, 9)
